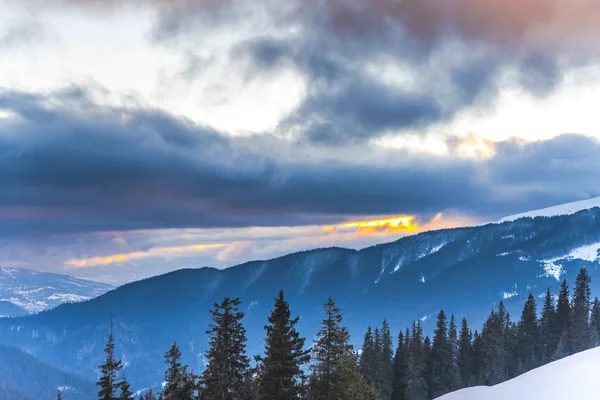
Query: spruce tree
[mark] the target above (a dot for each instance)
(335, 371)
(108, 382)
(225, 376)
(416, 385)
(528, 346)
(441, 360)
(385, 363)
(125, 390)
(377, 350)
(579, 329)
(399, 370)
(493, 361)
(548, 335)
(367, 357)
(562, 349)
(595, 318)
(465, 356)
(281, 373)
(563, 313)
(179, 384)
(148, 396)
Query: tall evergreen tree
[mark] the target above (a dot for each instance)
(59, 395)
(563, 313)
(179, 384)
(579, 330)
(416, 385)
(148, 396)
(454, 344)
(548, 335)
(494, 368)
(335, 371)
(385, 363)
(478, 360)
(595, 318)
(465, 356)
(225, 376)
(108, 382)
(441, 360)
(367, 357)
(125, 390)
(281, 373)
(528, 346)
(374, 379)
(399, 370)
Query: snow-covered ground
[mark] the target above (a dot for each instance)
(562, 209)
(575, 377)
(31, 291)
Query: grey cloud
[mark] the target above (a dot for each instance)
(95, 169)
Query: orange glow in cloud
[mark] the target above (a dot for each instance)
(164, 252)
(397, 224)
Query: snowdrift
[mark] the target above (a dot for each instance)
(575, 377)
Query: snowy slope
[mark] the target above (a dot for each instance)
(574, 377)
(24, 291)
(562, 209)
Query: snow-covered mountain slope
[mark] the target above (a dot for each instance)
(562, 209)
(25, 291)
(574, 377)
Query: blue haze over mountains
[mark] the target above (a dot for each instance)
(465, 271)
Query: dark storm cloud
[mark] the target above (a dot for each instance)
(87, 168)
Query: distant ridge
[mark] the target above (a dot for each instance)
(561, 209)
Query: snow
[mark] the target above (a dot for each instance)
(70, 297)
(562, 209)
(551, 269)
(574, 377)
(588, 253)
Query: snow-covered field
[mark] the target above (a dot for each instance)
(576, 377)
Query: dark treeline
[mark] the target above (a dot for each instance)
(411, 367)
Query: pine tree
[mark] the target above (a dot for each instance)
(108, 382)
(59, 395)
(595, 320)
(335, 371)
(416, 385)
(179, 384)
(442, 360)
(125, 390)
(281, 373)
(225, 376)
(375, 378)
(465, 356)
(528, 345)
(399, 370)
(579, 330)
(148, 396)
(478, 360)
(367, 357)
(548, 336)
(563, 314)
(385, 363)
(562, 349)
(494, 368)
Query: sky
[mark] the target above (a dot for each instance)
(142, 136)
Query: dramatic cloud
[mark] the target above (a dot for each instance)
(69, 165)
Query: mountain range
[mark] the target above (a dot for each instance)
(25, 291)
(466, 271)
